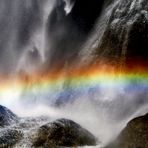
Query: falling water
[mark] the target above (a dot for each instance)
(29, 43)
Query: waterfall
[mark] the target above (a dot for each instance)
(48, 57)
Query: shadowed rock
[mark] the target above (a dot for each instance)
(7, 117)
(125, 39)
(9, 137)
(135, 134)
(63, 132)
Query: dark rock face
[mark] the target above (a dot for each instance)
(7, 117)
(9, 137)
(63, 132)
(68, 32)
(135, 134)
(125, 38)
(85, 14)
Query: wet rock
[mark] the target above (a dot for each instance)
(125, 38)
(7, 117)
(63, 132)
(135, 134)
(9, 137)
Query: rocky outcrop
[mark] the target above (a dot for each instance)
(34, 132)
(63, 132)
(135, 134)
(125, 39)
(7, 117)
(9, 137)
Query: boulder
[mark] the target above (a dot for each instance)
(63, 132)
(135, 134)
(7, 117)
(9, 137)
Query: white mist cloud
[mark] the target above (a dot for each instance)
(104, 113)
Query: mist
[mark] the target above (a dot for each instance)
(104, 111)
(39, 37)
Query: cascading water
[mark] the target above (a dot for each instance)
(48, 54)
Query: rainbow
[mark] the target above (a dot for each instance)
(74, 79)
